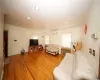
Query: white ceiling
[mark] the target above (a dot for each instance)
(51, 14)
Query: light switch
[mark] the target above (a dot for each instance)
(96, 35)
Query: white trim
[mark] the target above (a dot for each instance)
(2, 75)
(3, 65)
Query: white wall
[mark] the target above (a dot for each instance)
(56, 36)
(22, 35)
(93, 23)
(1, 40)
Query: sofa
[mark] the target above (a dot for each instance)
(64, 70)
(74, 67)
(53, 49)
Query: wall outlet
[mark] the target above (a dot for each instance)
(93, 52)
(90, 50)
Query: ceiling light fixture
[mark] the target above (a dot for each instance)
(28, 17)
(36, 8)
(65, 22)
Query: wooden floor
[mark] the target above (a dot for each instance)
(31, 66)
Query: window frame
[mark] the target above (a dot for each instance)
(66, 33)
(46, 41)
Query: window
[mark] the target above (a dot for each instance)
(46, 39)
(66, 40)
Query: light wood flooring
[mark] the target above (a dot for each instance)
(31, 66)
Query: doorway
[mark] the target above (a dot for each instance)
(5, 37)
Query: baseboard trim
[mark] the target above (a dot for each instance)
(2, 75)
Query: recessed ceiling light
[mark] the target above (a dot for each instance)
(36, 8)
(28, 17)
(65, 22)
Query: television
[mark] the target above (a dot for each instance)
(33, 42)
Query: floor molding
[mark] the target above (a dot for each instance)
(2, 73)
